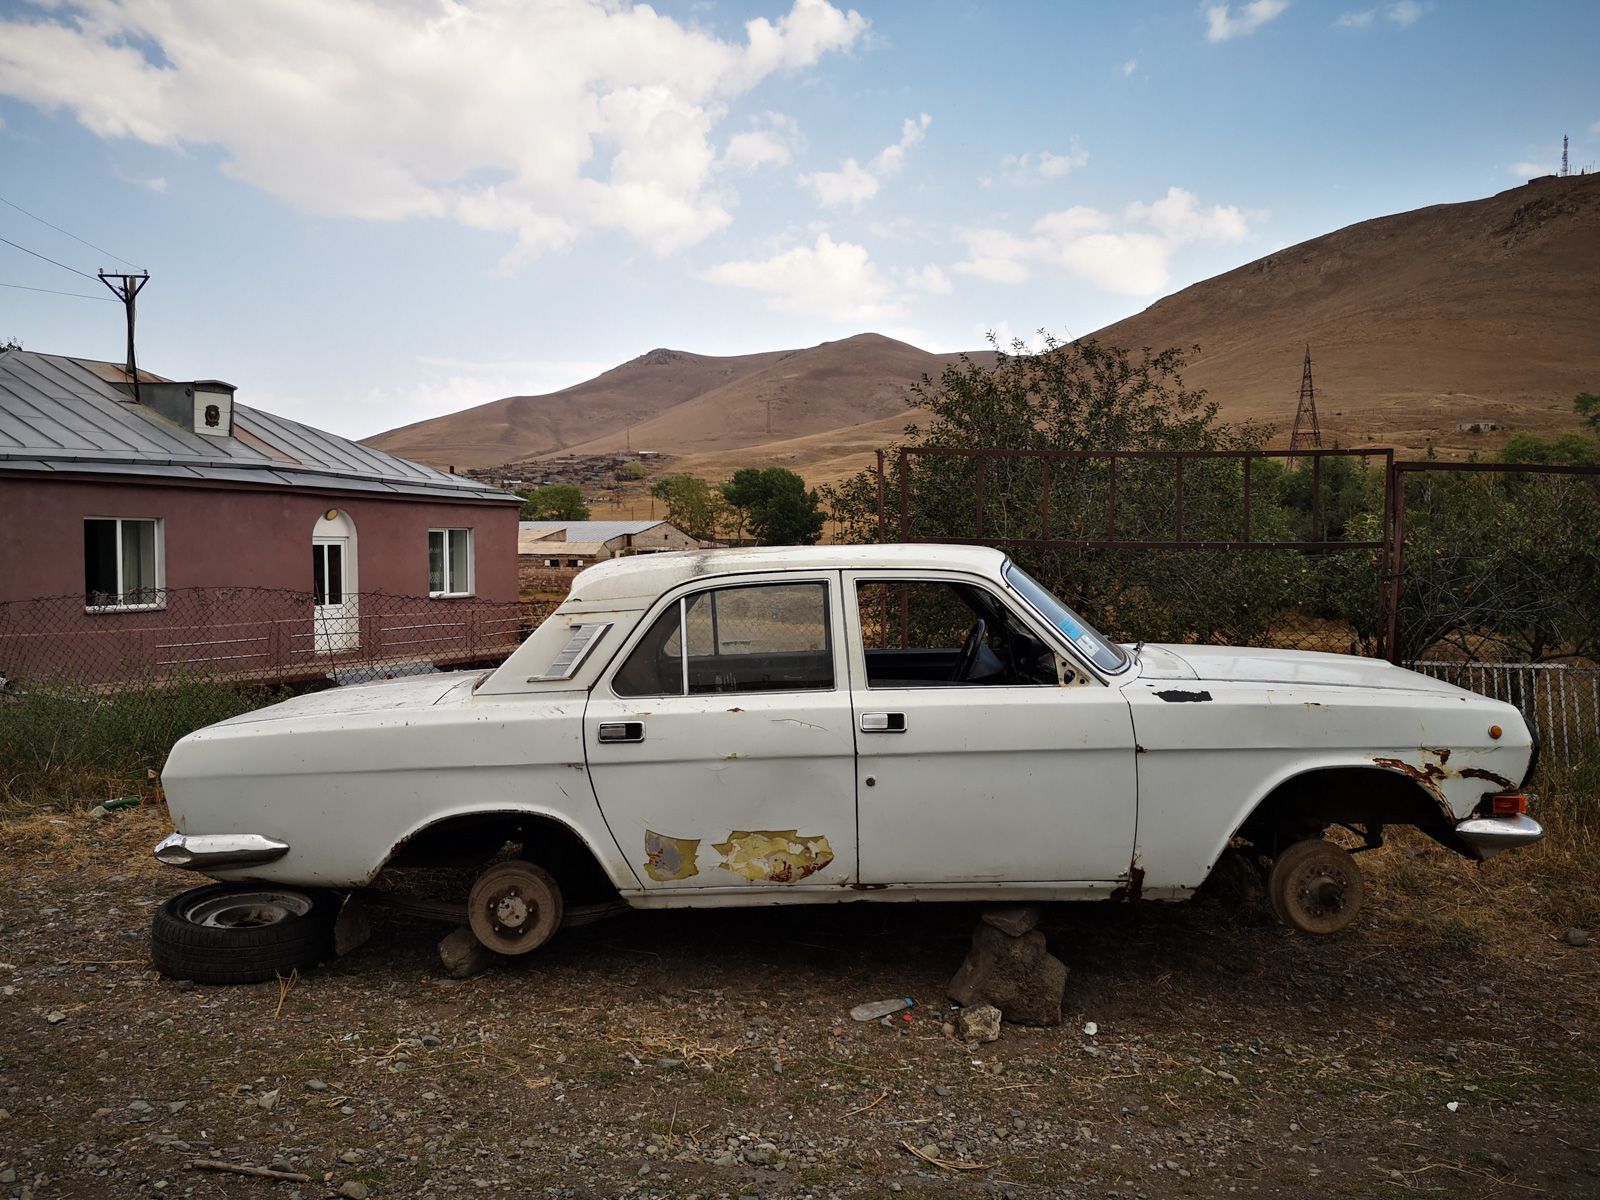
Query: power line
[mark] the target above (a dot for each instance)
(22, 287)
(49, 260)
(68, 232)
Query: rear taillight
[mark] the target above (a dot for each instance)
(1507, 804)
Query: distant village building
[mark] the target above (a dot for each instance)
(121, 505)
(581, 543)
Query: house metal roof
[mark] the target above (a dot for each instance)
(64, 415)
(587, 531)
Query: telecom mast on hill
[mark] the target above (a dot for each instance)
(1307, 434)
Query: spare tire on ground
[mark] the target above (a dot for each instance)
(242, 933)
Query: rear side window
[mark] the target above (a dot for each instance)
(770, 637)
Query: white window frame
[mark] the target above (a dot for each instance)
(160, 602)
(472, 563)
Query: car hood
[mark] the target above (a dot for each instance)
(1245, 664)
(422, 691)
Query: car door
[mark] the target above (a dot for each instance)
(1017, 773)
(720, 742)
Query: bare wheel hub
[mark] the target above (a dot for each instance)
(514, 907)
(1315, 887)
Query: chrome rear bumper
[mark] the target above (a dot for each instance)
(1490, 835)
(202, 850)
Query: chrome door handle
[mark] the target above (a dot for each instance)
(883, 722)
(621, 731)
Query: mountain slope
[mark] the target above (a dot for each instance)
(1418, 323)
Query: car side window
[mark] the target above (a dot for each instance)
(946, 633)
(765, 637)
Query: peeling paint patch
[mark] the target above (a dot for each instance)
(1489, 776)
(667, 858)
(1178, 697)
(773, 855)
(799, 723)
(1428, 775)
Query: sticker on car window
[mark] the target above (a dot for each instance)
(1088, 643)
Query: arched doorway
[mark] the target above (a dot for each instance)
(336, 617)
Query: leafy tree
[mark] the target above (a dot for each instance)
(775, 504)
(554, 502)
(1567, 449)
(9, 343)
(693, 505)
(633, 470)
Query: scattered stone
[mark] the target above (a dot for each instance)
(139, 1106)
(351, 1190)
(429, 1040)
(184, 985)
(99, 810)
(55, 1016)
(1014, 919)
(1577, 937)
(942, 1090)
(1017, 975)
(980, 1023)
(8, 1176)
(463, 955)
(316, 1085)
(176, 1106)
(350, 1156)
(268, 1100)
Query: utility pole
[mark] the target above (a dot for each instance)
(127, 288)
(1564, 170)
(1307, 434)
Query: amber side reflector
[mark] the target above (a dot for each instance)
(1508, 805)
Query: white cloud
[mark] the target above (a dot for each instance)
(1030, 168)
(157, 184)
(1128, 254)
(931, 280)
(771, 142)
(1129, 67)
(829, 279)
(1530, 169)
(853, 184)
(1224, 23)
(1406, 13)
(1403, 14)
(542, 121)
(1595, 128)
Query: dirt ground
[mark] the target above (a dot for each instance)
(1446, 1046)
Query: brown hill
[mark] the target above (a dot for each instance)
(1419, 324)
(1487, 311)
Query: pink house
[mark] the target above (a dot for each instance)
(164, 528)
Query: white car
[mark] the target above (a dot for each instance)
(920, 722)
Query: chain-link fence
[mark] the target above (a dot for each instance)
(92, 696)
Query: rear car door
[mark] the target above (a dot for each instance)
(720, 743)
(1005, 772)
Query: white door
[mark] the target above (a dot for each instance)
(976, 764)
(336, 623)
(731, 766)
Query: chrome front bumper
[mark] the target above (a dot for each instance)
(1490, 835)
(202, 850)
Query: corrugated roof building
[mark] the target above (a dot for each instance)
(122, 495)
(558, 542)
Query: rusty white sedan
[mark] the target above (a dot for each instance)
(817, 725)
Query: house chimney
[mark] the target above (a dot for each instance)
(204, 406)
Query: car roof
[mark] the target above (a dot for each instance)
(648, 575)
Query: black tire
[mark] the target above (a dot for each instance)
(256, 943)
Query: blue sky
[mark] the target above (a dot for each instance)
(367, 213)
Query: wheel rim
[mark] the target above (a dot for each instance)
(246, 910)
(514, 908)
(1319, 888)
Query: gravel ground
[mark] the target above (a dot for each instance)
(1206, 1052)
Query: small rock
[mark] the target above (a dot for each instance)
(463, 955)
(1453, 1105)
(1090, 1028)
(942, 1090)
(980, 1023)
(429, 1040)
(139, 1106)
(350, 1156)
(176, 1106)
(352, 1190)
(99, 810)
(268, 1100)
(55, 1016)
(1577, 937)
(184, 985)
(8, 1176)
(316, 1085)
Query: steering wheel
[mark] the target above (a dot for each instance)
(968, 657)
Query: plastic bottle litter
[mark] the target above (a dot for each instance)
(880, 1008)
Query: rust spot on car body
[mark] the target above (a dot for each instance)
(1130, 887)
(1431, 774)
(667, 858)
(773, 855)
(1488, 776)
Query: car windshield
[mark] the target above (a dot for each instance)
(1088, 640)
